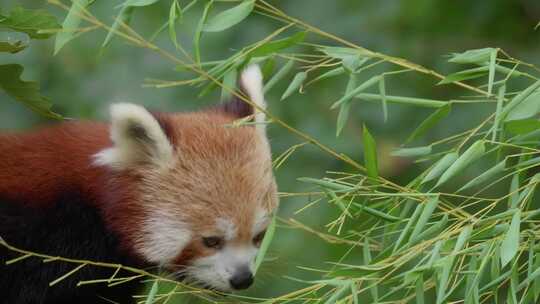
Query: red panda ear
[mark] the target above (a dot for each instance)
(137, 138)
(251, 85)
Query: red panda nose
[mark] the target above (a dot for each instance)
(242, 279)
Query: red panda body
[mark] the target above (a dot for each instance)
(185, 191)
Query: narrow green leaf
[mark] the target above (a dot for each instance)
(382, 92)
(175, 13)
(529, 107)
(199, 30)
(500, 167)
(367, 260)
(500, 101)
(518, 99)
(7, 47)
(440, 167)
(431, 231)
(370, 154)
(377, 213)
(70, 24)
(421, 102)
(278, 76)
(354, 293)
(474, 152)
(491, 76)
(472, 56)
(345, 107)
(297, 81)
(429, 122)
(338, 294)
(510, 243)
(513, 200)
(343, 52)
(331, 73)
(370, 82)
(411, 152)
(465, 75)
(352, 63)
(152, 294)
(326, 184)
(272, 47)
(431, 205)
(404, 233)
(139, 2)
(26, 92)
(522, 126)
(230, 17)
(268, 237)
(420, 290)
(124, 17)
(30, 22)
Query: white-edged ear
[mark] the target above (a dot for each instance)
(137, 138)
(251, 82)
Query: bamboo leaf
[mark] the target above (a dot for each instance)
(420, 290)
(411, 152)
(429, 122)
(370, 154)
(500, 167)
(529, 107)
(465, 75)
(268, 237)
(370, 82)
(278, 76)
(474, 152)
(345, 107)
(342, 52)
(472, 56)
(522, 126)
(297, 81)
(420, 102)
(175, 13)
(272, 47)
(440, 167)
(199, 30)
(518, 99)
(404, 233)
(491, 76)
(123, 17)
(331, 73)
(431, 205)
(230, 17)
(152, 294)
(229, 83)
(382, 92)
(510, 244)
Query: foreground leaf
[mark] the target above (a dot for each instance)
(510, 243)
(429, 122)
(230, 17)
(440, 167)
(474, 152)
(70, 24)
(26, 92)
(277, 45)
(297, 81)
(30, 22)
(370, 154)
(7, 47)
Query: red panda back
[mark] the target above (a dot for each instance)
(39, 166)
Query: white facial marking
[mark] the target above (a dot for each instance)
(227, 227)
(216, 270)
(164, 238)
(251, 80)
(128, 148)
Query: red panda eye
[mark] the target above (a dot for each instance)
(258, 238)
(215, 242)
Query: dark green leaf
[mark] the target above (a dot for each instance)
(26, 92)
(510, 243)
(30, 22)
(370, 154)
(523, 126)
(7, 47)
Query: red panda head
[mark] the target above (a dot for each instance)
(191, 192)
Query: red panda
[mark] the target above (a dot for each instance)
(183, 191)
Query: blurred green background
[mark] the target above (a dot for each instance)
(82, 80)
